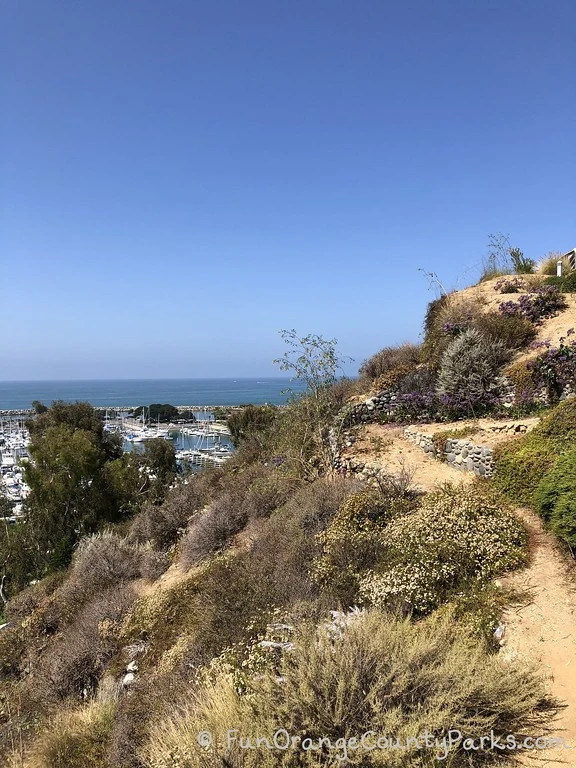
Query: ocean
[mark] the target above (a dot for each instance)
(17, 395)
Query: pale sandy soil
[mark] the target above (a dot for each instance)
(482, 434)
(543, 630)
(551, 330)
(386, 445)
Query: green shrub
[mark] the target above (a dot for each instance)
(459, 537)
(254, 421)
(353, 542)
(559, 425)
(405, 356)
(364, 672)
(555, 498)
(523, 380)
(518, 463)
(522, 264)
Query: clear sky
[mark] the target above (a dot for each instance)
(181, 179)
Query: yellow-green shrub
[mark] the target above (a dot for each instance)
(555, 498)
(353, 542)
(376, 673)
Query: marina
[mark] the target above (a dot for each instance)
(197, 444)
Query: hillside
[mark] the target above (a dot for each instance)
(386, 557)
(551, 330)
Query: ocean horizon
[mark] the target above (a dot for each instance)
(19, 395)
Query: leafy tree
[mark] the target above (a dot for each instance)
(69, 493)
(76, 416)
(251, 422)
(160, 462)
(139, 477)
(158, 412)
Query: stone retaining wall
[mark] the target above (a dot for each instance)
(384, 405)
(460, 454)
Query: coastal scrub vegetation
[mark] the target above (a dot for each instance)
(548, 453)
(145, 607)
(79, 481)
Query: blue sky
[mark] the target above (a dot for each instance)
(179, 180)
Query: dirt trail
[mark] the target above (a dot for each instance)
(543, 630)
(397, 452)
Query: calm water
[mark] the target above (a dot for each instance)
(20, 394)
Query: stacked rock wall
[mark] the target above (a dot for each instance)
(461, 454)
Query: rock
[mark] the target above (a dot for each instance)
(132, 667)
(128, 680)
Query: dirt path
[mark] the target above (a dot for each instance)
(387, 446)
(543, 630)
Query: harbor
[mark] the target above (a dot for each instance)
(198, 443)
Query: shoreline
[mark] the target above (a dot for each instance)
(104, 408)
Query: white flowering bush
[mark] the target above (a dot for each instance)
(354, 541)
(458, 537)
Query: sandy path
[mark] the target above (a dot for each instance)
(541, 630)
(397, 453)
(544, 630)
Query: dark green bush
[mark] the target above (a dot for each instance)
(559, 425)
(518, 464)
(254, 421)
(555, 498)
(566, 283)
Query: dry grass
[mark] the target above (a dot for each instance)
(378, 673)
(74, 739)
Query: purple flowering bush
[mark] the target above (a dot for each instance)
(545, 301)
(555, 369)
(511, 285)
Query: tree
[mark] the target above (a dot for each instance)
(251, 422)
(136, 478)
(314, 361)
(69, 493)
(158, 412)
(76, 416)
(160, 462)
